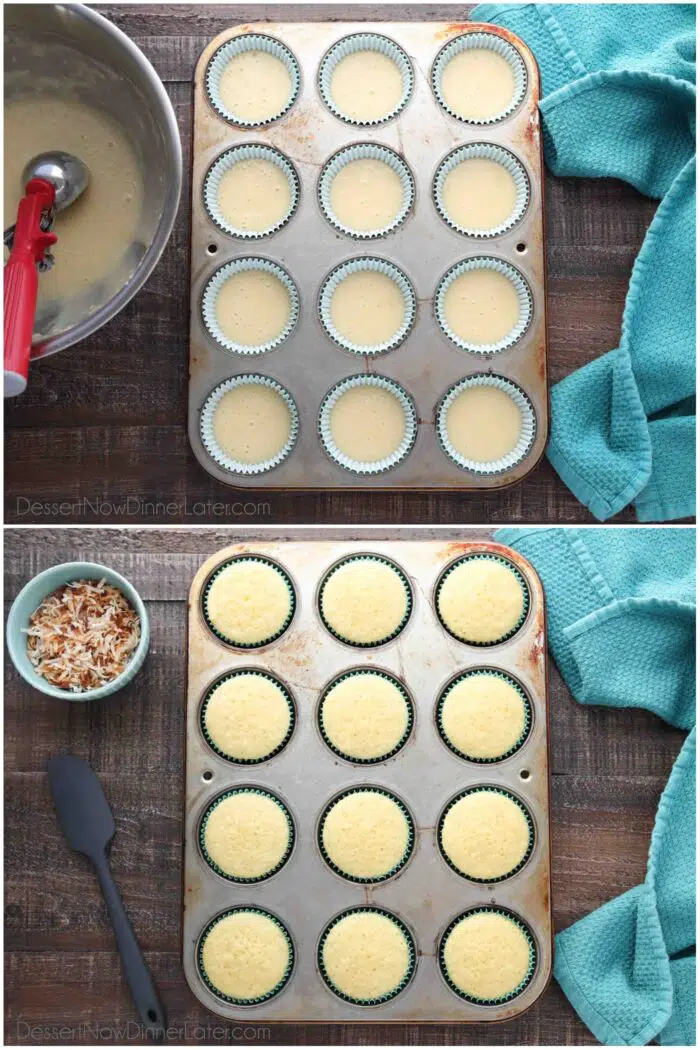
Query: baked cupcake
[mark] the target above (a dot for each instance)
(248, 717)
(483, 715)
(366, 956)
(245, 956)
(485, 834)
(366, 835)
(249, 601)
(365, 600)
(487, 956)
(246, 835)
(365, 716)
(482, 599)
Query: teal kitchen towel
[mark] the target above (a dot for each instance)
(621, 628)
(618, 100)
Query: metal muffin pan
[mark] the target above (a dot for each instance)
(308, 364)
(426, 894)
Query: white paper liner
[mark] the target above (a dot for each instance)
(525, 302)
(354, 465)
(211, 292)
(491, 42)
(485, 151)
(376, 265)
(365, 151)
(240, 44)
(228, 160)
(206, 425)
(528, 424)
(364, 42)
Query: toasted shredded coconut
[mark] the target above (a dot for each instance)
(82, 635)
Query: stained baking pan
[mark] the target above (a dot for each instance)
(427, 364)
(427, 894)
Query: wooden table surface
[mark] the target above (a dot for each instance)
(61, 968)
(102, 428)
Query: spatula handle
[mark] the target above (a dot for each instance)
(138, 976)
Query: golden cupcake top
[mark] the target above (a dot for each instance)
(485, 835)
(487, 956)
(248, 602)
(366, 835)
(483, 716)
(366, 956)
(364, 601)
(247, 717)
(245, 956)
(365, 716)
(481, 600)
(246, 835)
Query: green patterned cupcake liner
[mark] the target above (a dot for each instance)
(203, 827)
(503, 998)
(237, 46)
(292, 601)
(490, 42)
(412, 952)
(278, 987)
(382, 561)
(409, 712)
(492, 673)
(352, 44)
(496, 791)
(410, 846)
(228, 160)
(227, 678)
(519, 577)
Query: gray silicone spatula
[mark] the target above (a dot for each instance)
(88, 825)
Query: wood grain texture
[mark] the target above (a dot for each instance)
(100, 436)
(609, 768)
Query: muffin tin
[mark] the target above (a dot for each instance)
(427, 364)
(426, 895)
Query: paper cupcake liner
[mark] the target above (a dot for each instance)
(528, 429)
(486, 671)
(412, 953)
(519, 577)
(292, 602)
(382, 561)
(484, 151)
(236, 674)
(375, 265)
(501, 999)
(203, 827)
(223, 55)
(491, 42)
(357, 466)
(364, 42)
(206, 426)
(410, 823)
(409, 721)
(531, 830)
(365, 151)
(228, 160)
(525, 303)
(278, 987)
(217, 281)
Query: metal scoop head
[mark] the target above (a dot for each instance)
(68, 175)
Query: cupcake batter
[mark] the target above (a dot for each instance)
(367, 423)
(367, 308)
(366, 956)
(486, 955)
(254, 195)
(483, 424)
(365, 834)
(246, 955)
(255, 86)
(252, 308)
(366, 194)
(366, 85)
(96, 231)
(479, 194)
(485, 835)
(252, 423)
(246, 835)
(481, 307)
(478, 84)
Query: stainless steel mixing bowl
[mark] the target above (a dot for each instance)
(70, 50)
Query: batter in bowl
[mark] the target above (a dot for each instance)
(252, 423)
(255, 86)
(478, 84)
(96, 231)
(366, 195)
(481, 307)
(479, 194)
(366, 85)
(252, 308)
(483, 424)
(367, 423)
(254, 195)
(367, 308)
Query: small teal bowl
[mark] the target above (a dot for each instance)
(30, 598)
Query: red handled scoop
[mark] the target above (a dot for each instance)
(52, 182)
